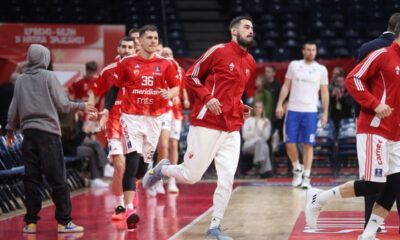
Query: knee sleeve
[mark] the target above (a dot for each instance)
(131, 167)
(365, 188)
(389, 194)
(142, 169)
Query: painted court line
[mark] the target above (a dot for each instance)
(196, 220)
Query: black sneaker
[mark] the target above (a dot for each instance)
(119, 213)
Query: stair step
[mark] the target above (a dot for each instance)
(206, 4)
(201, 16)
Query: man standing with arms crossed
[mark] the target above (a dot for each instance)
(149, 81)
(217, 81)
(304, 78)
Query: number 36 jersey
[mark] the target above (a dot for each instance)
(142, 80)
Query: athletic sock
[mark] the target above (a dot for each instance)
(374, 223)
(307, 173)
(215, 222)
(120, 200)
(129, 206)
(296, 165)
(327, 195)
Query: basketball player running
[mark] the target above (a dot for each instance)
(217, 79)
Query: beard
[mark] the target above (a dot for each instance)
(245, 43)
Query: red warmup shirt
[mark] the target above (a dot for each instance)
(80, 89)
(103, 84)
(221, 72)
(142, 79)
(177, 102)
(377, 79)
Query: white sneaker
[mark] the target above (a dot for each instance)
(306, 184)
(297, 176)
(151, 191)
(98, 183)
(313, 207)
(360, 237)
(160, 187)
(172, 188)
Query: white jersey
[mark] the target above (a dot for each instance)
(306, 81)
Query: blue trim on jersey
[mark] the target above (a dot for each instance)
(301, 127)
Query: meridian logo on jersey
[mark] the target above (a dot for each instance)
(397, 70)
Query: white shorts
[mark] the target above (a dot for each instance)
(377, 157)
(140, 133)
(115, 147)
(166, 121)
(176, 128)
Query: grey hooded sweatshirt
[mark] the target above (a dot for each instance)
(38, 95)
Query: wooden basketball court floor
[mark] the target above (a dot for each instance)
(269, 209)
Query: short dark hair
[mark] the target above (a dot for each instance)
(133, 30)
(125, 39)
(237, 20)
(272, 67)
(309, 43)
(148, 27)
(91, 66)
(394, 20)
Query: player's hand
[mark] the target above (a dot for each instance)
(383, 110)
(89, 107)
(164, 93)
(186, 104)
(215, 106)
(103, 119)
(279, 111)
(246, 111)
(324, 120)
(10, 139)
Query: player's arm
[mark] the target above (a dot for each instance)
(325, 103)
(282, 96)
(196, 75)
(357, 83)
(173, 80)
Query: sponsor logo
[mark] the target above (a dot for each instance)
(144, 101)
(397, 70)
(378, 172)
(129, 144)
(148, 91)
(247, 72)
(231, 66)
(190, 155)
(157, 69)
(137, 66)
(312, 138)
(378, 152)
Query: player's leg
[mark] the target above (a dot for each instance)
(174, 136)
(226, 161)
(372, 181)
(202, 144)
(307, 131)
(291, 130)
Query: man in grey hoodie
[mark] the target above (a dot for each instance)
(38, 95)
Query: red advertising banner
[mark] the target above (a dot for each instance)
(71, 45)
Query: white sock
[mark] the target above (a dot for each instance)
(296, 165)
(307, 173)
(120, 200)
(327, 195)
(164, 170)
(373, 224)
(129, 205)
(215, 222)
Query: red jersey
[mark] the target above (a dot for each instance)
(377, 79)
(177, 101)
(80, 89)
(104, 83)
(222, 72)
(142, 79)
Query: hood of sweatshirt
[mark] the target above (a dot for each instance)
(38, 57)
